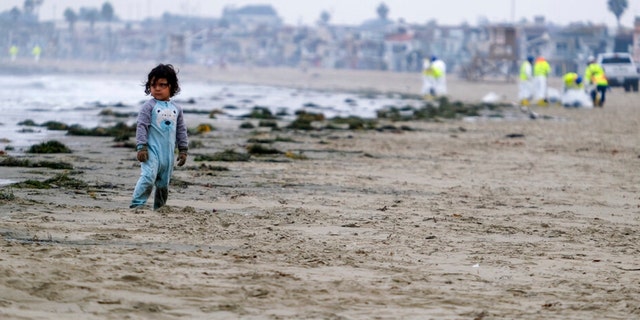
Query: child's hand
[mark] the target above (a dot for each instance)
(182, 158)
(143, 155)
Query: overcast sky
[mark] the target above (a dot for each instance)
(356, 11)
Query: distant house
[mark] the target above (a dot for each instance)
(565, 47)
(570, 46)
(252, 15)
(398, 49)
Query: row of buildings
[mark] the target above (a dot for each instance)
(255, 35)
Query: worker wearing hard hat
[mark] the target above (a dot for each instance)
(541, 71)
(525, 88)
(434, 75)
(596, 80)
(572, 81)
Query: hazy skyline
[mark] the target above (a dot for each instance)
(354, 12)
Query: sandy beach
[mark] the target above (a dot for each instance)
(486, 219)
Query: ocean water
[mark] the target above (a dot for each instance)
(79, 99)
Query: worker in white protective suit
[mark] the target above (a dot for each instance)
(525, 85)
(434, 78)
(541, 71)
(428, 82)
(439, 75)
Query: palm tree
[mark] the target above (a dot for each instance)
(617, 7)
(107, 12)
(71, 17)
(29, 6)
(383, 11)
(325, 16)
(91, 15)
(15, 14)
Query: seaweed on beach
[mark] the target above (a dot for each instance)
(247, 125)
(268, 124)
(99, 104)
(441, 108)
(228, 155)
(7, 195)
(111, 113)
(259, 149)
(50, 125)
(261, 140)
(270, 140)
(51, 146)
(304, 119)
(120, 129)
(392, 128)
(15, 162)
(55, 125)
(355, 123)
(59, 181)
(206, 167)
(260, 113)
(28, 123)
(300, 124)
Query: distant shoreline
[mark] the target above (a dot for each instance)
(325, 79)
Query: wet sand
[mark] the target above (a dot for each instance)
(490, 219)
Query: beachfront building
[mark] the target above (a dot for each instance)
(565, 47)
(255, 35)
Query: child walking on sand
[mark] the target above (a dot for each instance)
(160, 130)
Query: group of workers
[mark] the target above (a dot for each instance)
(533, 84)
(587, 91)
(36, 52)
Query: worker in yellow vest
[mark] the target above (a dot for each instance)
(428, 81)
(573, 93)
(439, 69)
(541, 71)
(572, 81)
(13, 52)
(525, 88)
(596, 79)
(36, 52)
(434, 75)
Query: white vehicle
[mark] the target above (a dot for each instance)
(620, 70)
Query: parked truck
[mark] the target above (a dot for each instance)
(620, 70)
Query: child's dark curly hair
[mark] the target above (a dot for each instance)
(165, 71)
